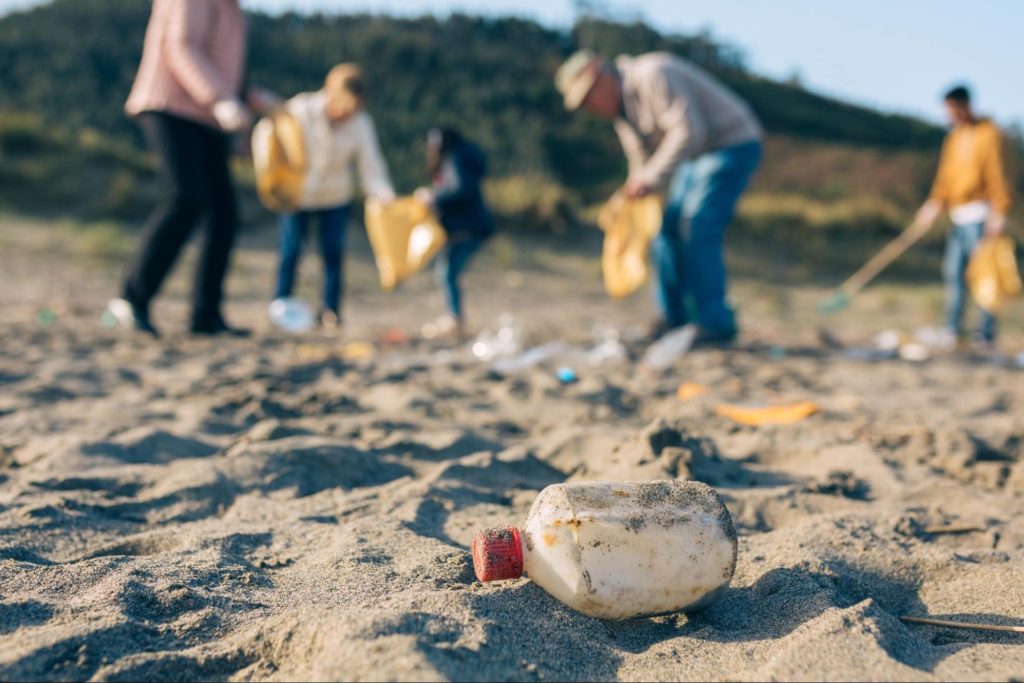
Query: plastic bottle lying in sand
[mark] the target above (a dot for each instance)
(291, 314)
(615, 550)
(670, 347)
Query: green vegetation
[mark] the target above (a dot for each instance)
(831, 169)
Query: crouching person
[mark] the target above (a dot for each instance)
(456, 167)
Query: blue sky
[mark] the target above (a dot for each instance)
(896, 55)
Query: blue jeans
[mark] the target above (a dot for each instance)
(688, 252)
(332, 246)
(960, 244)
(452, 260)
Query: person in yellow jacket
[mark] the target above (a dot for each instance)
(971, 185)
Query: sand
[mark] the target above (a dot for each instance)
(265, 509)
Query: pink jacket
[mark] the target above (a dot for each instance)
(193, 57)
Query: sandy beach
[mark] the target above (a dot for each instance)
(270, 509)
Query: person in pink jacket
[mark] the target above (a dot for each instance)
(189, 96)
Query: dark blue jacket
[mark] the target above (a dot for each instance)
(458, 194)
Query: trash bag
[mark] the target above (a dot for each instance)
(279, 157)
(992, 273)
(404, 235)
(629, 225)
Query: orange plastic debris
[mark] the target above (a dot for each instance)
(691, 390)
(629, 225)
(992, 273)
(404, 235)
(768, 415)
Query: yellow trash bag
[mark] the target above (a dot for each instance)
(768, 415)
(629, 225)
(279, 156)
(404, 235)
(992, 273)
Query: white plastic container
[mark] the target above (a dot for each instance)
(291, 314)
(616, 550)
(663, 353)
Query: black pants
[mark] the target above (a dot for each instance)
(196, 188)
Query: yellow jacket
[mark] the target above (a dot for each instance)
(971, 168)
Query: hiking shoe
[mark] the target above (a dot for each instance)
(329, 319)
(217, 326)
(659, 328)
(715, 338)
(123, 314)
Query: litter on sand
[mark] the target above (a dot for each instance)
(962, 624)
(767, 415)
(691, 390)
(291, 314)
(629, 225)
(617, 550)
(670, 347)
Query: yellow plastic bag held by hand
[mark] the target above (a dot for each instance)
(279, 156)
(404, 235)
(992, 273)
(629, 225)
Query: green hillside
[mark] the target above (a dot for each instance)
(67, 146)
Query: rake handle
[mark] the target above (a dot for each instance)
(880, 261)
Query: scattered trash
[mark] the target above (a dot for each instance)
(915, 352)
(118, 313)
(629, 225)
(507, 341)
(529, 358)
(777, 352)
(46, 317)
(358, 350)
(928, 621)
(889, 341)
(608, 348)
(404, 235)
(768, 415)
(691, 390)
(566, 375)
(291, 314)
(618, 550)
(394, 336)
(992, 273)
(670, 347)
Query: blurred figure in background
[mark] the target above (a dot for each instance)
(337, 133)
(457, 168)
(684, 133)
(971, 184)
(188, 97)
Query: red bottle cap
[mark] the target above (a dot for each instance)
(498, 554)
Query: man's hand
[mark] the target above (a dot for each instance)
(928, 213)
(995, 225)
(232, 116)
(635, 189)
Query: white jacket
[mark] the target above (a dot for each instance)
(331, 152)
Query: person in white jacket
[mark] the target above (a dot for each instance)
(338, 136)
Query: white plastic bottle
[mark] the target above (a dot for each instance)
(615, 550)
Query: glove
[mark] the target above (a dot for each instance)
(995, 225)
(424, 196)
(232, 116)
